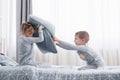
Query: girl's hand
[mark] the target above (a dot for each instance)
(41, 27)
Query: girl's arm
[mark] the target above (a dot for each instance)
(37, 39)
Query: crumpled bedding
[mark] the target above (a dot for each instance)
(6, 61)
(57, 73)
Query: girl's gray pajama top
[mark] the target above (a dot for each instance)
(25, 50)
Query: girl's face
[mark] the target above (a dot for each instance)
(29, 32)
(79, 41)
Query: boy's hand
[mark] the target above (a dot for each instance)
(55, 38)
(57, 41)
(41, 27)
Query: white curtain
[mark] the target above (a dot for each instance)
(101, 18)
(8, 28)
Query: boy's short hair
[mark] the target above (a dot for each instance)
(83, 35)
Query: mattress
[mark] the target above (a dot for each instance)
(58, 73)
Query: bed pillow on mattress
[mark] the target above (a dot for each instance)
(6, 61)
(48, 44)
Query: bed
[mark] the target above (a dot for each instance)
(57, 73)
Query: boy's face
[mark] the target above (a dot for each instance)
(29, 32)
(79, 41)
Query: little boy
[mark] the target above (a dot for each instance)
(81, 39)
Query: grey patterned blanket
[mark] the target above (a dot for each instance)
(57, 73)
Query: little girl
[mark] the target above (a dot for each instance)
(93, 60)
(25, 50)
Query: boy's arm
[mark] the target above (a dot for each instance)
(69, 46)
